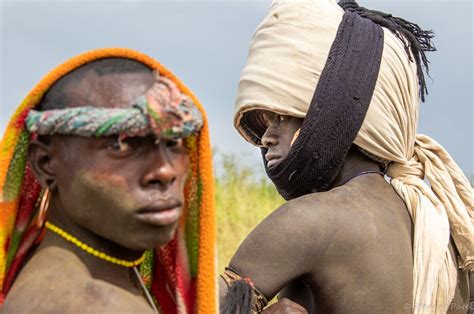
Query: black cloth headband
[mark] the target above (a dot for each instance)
(337, 110)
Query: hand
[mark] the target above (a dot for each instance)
(285, 306)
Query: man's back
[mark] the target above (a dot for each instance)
(365, 264)
(348, 250)
(351, 246)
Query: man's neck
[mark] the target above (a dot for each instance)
(98, 268)
(354, 165)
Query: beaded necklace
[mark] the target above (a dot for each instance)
(90, 250)
(108, 258)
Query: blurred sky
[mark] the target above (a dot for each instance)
(205, 43)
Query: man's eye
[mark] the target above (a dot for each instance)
(119, 146)
(174, 143)
(281, 118)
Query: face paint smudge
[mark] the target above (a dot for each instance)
(106, 186)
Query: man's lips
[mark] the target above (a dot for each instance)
(160, 213)
(273, 159)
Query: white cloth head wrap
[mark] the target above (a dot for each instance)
(287, 55)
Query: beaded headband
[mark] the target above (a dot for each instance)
(163, 111)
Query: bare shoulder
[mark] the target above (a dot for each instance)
(362, 225)
(366, 204)
(366, 213)
(365, 210)
(54, 281)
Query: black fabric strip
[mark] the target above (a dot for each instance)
(336, 112)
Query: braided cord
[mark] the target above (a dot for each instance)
(98, 122)
(87, 121)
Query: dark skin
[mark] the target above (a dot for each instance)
(101, 191)
(347, 250)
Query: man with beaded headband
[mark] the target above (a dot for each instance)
(330, 93)
(106, 192)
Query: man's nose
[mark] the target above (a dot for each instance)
(269, 138)
(161, 173)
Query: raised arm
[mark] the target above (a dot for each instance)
(281, 248)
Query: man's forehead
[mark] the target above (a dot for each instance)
(108, 90)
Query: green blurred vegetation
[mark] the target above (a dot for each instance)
(244, 197)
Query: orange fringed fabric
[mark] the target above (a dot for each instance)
(187, 263)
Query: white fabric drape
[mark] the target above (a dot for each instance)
(286, 57)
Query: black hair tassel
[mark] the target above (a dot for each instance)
(415, 40)
(238, 299)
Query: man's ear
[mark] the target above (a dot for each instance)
(40, 159)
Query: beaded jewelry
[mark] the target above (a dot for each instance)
(90, 250)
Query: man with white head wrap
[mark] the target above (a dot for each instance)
(365, 239)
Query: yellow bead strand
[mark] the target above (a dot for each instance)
(91, 250)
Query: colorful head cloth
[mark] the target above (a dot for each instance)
(163, 111)
(181, 274)
(288, 53)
